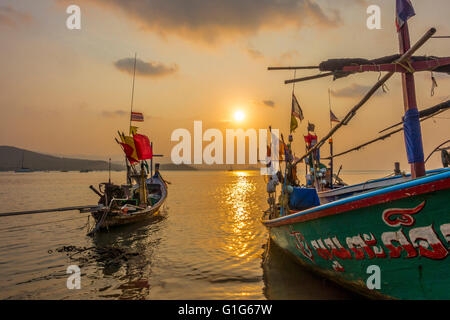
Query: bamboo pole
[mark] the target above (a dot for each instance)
(369, 94)
(317, 76)
(387, 135)
(17, 213)
(293, 68)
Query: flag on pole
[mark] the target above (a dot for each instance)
(143, 147)
(333, 117)
(296, 112)
(137, 116)
(404, 11)
(133, 130)
(129, 148)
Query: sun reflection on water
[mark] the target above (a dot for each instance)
(239, 205)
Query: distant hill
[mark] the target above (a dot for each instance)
(11, 159)
(174, 167)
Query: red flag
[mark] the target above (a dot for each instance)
(143, 147)
(128, 152)
(310, 140)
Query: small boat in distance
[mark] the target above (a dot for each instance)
(22, 169)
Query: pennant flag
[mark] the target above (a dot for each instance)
(404, 11)
(333, 117)
(311, 127)
(137, 116)
(143, 147)
(296, 112)
(133, 130)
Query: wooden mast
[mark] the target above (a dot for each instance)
(409, 99)
(330, 141)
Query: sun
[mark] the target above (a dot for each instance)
(239, 115)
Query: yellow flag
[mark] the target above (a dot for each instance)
(129, 141)
(294, 123)
(133, 130)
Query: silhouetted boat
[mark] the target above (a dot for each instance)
(22, 168)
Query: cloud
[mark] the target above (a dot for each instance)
(211, 21)
(269, 103)
(112, 114)
(254, 53)
(289, 55)
(11, 17)
(355, 90)
(148, 69)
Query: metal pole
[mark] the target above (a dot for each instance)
(409, 98)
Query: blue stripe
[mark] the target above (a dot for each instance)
(382, 179)
(405, 185)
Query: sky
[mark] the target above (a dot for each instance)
(67, 92)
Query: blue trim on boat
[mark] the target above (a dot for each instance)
(435, 171)
(404, 185)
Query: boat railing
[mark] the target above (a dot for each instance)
(117, 199)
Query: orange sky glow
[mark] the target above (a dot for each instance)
(67, 92)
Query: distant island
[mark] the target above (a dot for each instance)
(11, 159)
(175, 167)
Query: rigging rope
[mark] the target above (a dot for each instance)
(436, 149)
(387, 135)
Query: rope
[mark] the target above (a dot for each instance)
(436, 149)
(99, 223)
(433, 83)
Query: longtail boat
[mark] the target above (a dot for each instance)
(142, 196)
(387, 238)
(133, 202)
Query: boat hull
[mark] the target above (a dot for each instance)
(122, 219)
(122, 216)
(399, 234)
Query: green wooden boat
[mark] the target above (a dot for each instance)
(387, 238)
(404, 230)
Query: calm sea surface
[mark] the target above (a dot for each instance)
(208, 242)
